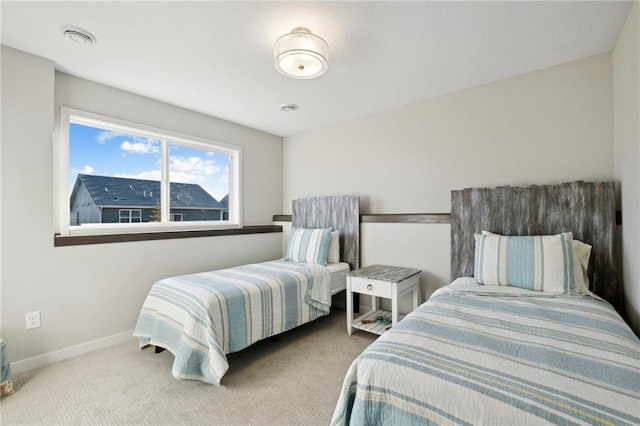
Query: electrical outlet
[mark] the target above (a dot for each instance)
(32, 320)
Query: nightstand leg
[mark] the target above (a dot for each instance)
(416, 297)
(349, 308)
(394, 308)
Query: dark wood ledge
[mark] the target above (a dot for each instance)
(75, 240)
(407, 218)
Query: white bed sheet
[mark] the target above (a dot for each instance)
(338, 275)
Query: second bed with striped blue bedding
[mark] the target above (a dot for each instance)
(486, 355)
(202, 317)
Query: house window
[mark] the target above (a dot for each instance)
(130, 216)
(110, 173)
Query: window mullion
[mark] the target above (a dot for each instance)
(165, 195)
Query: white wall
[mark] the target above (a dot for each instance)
(626, 83)
(548, 126)
(95, 291)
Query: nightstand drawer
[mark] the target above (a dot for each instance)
(371, 287)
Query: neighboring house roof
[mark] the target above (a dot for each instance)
(125, 192)
(225, 202)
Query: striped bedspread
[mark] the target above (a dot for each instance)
(202, 317)
(472, 356)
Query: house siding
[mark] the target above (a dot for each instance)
(190, 215)
(112, 215)
(83, 208)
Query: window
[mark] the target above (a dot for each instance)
(130, 216)
(114, 176)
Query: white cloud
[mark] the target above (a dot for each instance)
(224, 177)
(183, 177)
(149, 175)
(140, 146)
(106, 135)
(198, 171)
(86, 170)
(192, 169)
(133, 145)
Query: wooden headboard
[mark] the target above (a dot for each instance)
(341, 212)
(586, 209)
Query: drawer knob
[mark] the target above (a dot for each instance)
(369, 287)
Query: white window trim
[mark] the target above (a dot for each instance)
(130, 215)
(61, 176)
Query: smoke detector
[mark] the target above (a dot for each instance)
(77, 34)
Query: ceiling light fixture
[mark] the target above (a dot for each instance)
(301, 54)
(77, 34)
(288, 107)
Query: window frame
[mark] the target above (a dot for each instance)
(130, 215)
(167, 138)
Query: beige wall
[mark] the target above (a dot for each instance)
(94, 292)
(626, 108)
(548, 126)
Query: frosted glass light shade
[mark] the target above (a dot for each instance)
(301, 54)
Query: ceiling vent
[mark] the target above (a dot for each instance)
(77, 34)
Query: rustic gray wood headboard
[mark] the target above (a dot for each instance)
(341, 212)
(586, 209)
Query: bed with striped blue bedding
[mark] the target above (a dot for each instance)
(475, 355)
(202, 317)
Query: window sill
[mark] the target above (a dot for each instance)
(76, 240)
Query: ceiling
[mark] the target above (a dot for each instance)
(217, 57)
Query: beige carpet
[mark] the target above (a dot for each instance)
(295, 381)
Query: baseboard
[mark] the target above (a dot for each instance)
(71, 351)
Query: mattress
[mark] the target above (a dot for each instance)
(338, 271)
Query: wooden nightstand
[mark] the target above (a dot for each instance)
(380, 281)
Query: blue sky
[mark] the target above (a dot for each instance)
(107, 153)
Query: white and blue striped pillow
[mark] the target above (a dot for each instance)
(541, 262)
(309, 245)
